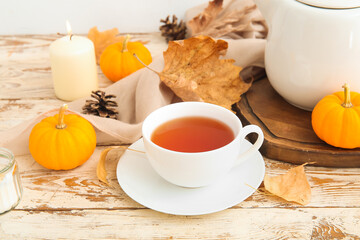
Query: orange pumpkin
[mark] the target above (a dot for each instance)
(336, 119)
(117, 60)
(62, 142)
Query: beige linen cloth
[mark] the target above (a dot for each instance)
(137, 95)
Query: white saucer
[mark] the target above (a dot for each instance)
(138, 180)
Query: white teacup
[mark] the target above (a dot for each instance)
(200, 168)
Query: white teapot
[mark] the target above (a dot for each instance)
(313, 47)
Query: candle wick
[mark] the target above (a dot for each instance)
(61, 34)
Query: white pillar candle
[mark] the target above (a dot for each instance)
(73, 66)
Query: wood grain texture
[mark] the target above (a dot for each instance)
(75, 205)
(15, 111)
(288, 132)
(80, 189)
(275, 223)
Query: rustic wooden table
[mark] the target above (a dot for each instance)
(75, 205)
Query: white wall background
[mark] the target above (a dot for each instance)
(49, 16)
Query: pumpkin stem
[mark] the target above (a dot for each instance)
(134, 54)
(347, 97)
(61, 124)
(124, 46)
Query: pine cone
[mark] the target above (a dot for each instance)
(172, 30)
(102, 106)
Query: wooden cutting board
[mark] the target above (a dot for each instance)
(289, 136)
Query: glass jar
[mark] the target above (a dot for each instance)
(10, 185)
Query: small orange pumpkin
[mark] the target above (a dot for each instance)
(117, 60)
(62, 142)
(336, 119)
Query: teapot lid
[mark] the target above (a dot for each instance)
(333, 4)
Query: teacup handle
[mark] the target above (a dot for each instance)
(255, 147)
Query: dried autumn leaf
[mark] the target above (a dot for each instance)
(194, 72)
(101, 172)
(291, 186)
(203, 20)
(238, 19)
(100, 168)
(103, 39)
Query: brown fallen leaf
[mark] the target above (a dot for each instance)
(101, 172)
(203, 20)
(238, 19)
(194, 72)
(103, 39)
(291, 186)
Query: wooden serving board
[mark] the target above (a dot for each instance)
(289, 136)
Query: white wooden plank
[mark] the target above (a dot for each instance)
(16, 111)
(309, 223)
(79, 188)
